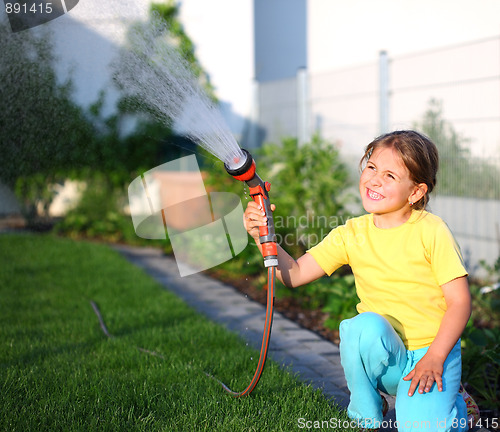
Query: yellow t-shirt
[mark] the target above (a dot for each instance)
(398, 271)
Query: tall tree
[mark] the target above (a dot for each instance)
(41, 129)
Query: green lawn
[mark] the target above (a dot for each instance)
(59, 371)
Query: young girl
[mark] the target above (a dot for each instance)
(412, 286)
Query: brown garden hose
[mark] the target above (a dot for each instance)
(265, 339)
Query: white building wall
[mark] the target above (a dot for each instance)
(86, 42)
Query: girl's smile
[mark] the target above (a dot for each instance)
(374, 195)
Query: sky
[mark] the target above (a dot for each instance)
(344, 33)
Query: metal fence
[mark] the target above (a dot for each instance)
(351, 106)
(466, 80)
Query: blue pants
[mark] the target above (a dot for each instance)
(374, 358)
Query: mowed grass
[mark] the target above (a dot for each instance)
(59, 371)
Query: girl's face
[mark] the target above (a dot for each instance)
(386, 188)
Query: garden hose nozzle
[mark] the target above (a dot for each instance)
(258, 190)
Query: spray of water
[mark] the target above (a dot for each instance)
(152, 70)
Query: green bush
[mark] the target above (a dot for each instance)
(481, 364)
(99, 212)
(340, 300)
(485, 307)
(481, 341)
(309, 186)
(35, 193)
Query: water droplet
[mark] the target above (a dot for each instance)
(251, 358)
(168, 85)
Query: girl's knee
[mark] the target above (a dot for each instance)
(371, 338)
(367, 325)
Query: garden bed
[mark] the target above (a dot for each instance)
(289, 307)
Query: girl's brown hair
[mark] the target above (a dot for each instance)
(418, 153)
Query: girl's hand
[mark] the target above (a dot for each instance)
(427, 371)
(254, 217)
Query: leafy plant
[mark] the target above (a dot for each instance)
(486, 299)
(341, 301)
(45, 137)
(485, 307)
(120, 158)
(35, 196)
(309, 186)
(481, 363)
(335, 296)
(481, 340)
(493, 270)
(98, 214)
